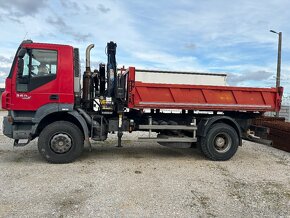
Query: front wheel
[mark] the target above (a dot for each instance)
(221, 142)
(61, 142)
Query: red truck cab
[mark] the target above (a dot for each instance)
(46, 77)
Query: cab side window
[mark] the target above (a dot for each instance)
(38, 67)
(44, 62)
(26, 66)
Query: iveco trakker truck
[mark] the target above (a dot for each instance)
(45, 99)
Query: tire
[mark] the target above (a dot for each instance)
(61, 142)
(221, 142)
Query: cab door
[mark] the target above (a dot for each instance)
(35, 81)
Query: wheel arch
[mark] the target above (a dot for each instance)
(56, 115)
(205, 124)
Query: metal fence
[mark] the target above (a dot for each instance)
(284, 112)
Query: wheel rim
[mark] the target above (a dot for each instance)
(222, 142)
(61, 143)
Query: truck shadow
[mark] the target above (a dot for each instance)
(20, 156)
(108, 151)
(140, 151)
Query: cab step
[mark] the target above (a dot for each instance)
(167, 139)
(20, 144)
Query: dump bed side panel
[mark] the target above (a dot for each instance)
(198, 97)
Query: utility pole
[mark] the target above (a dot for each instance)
(278, 76)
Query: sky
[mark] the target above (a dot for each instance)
(221, 36)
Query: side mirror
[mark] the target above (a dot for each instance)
(21, 52)
(21, 79)
(20, 66)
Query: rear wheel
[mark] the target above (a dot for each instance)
(61, 142)
(221, 142)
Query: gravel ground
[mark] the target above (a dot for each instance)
(144, 180)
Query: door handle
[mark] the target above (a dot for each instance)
(54, 97)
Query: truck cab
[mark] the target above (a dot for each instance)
(41, 74)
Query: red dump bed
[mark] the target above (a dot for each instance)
(197, 97)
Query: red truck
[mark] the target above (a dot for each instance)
(44, 99)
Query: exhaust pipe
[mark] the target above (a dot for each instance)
(87, 81)
(88, 55)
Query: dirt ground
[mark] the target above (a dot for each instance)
(144, 180)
